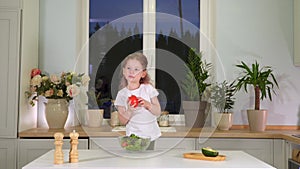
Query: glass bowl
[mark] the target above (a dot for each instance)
(134, 143)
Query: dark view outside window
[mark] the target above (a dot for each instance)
(111, 40)
(110, 43)
(177, 27)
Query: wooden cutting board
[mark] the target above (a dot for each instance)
(200, 156)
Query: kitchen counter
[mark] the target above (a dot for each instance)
(106, 131)
(92, 159)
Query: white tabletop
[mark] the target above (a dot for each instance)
(96, 159)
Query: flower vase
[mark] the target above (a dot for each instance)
(56, 111)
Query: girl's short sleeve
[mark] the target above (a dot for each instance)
(121, 99)
(152, 91)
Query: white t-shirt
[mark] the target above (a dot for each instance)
(142, 123)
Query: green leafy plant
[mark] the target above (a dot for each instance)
(96, 100)
(195, 81)
(262, 80)
(222, 96)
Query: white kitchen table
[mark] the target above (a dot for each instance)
(95, 159)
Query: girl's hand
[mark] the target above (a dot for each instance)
(131, 107)
(144, 103)
(124, 116)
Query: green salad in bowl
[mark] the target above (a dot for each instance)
(134, 143)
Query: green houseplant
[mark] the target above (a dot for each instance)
(263, 82)
(195, 82)
(193, 87)
(222, 97)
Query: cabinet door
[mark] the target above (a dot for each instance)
(175, 143)
(289, 146)
(260, 148)
(8, 153)
(9, 68)
(105, 143)
(280, 160)
(10, 3)
(30, 149)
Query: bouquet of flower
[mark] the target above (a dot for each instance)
(64, 86)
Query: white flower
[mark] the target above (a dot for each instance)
(73, 90)
(55, 79)
(85, 80)
(36, 81)
(45, 78)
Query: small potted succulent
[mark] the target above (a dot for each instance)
(193, 87)
(222, 97)
(263, 82)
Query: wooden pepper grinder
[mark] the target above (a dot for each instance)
(58, 154)
(73, 154)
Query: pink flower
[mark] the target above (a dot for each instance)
(67, 83)
(35, 72)
(73, 90)
(55, 79)
(49, 93)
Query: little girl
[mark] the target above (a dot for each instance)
(140, 120)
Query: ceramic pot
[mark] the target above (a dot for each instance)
(257, 119)
(56, 111)
(224, 121)
(94, 117)
(194, 113)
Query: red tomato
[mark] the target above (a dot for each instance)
(124, 144)
(133, 101)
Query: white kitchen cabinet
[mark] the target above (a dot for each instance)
(9, 68)
(30, 149)
(10, 3)
(280, 161)
(105, 143)
(289, 146)
(176, 143)
(8, 153)
(260, 148)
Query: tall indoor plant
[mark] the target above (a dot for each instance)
(263, 82)
(194, 86)
(222, 97)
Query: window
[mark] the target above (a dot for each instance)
(120, 27)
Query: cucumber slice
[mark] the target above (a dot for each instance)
(209, 152)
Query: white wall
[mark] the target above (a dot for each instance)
(29, 60)
(57, 40)
(260, 30)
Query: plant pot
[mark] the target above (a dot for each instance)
(56, 112)
(194, 113)
(257, 119)
(224, 121)
(94, 117)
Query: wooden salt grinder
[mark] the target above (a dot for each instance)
(73, 154)
(58, 154)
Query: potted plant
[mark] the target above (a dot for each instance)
(194, 86)
(263, 82)
(58, 91)
(222, 97)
